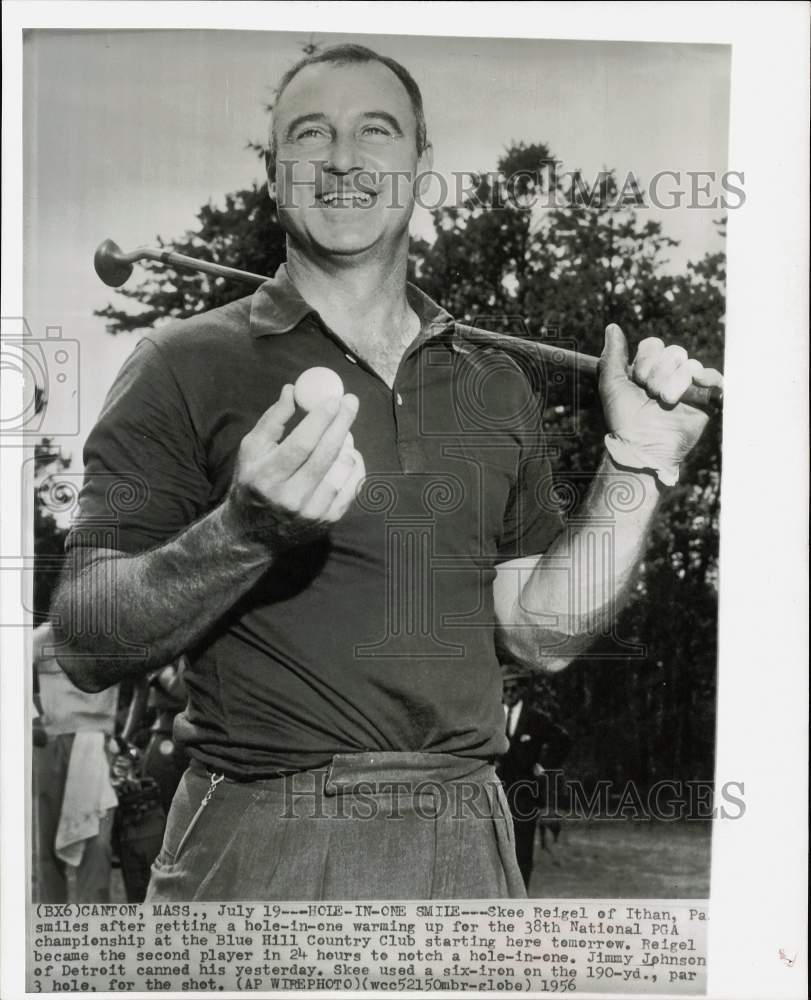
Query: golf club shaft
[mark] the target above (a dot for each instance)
(114, 267)
(217, 270)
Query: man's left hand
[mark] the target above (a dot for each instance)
(650, 428)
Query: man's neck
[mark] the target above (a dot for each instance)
(365, 304)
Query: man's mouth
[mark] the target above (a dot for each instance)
(346, 199)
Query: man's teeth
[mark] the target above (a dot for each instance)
(346, 198)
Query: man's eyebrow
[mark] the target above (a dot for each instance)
(386, 117)
(313, 116)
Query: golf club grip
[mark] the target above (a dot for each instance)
(707, 398)
(704, 397)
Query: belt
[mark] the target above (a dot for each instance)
(383, 770)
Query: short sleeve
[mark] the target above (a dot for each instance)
(144, 468)
(507, 386)
(533, 518)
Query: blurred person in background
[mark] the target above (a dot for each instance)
(537, 748)
(74, 795)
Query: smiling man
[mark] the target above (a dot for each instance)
(341, 598)
(337, 172)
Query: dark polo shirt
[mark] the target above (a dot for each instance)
(381, 637)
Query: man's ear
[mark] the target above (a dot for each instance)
(270, 170)
(425, 164)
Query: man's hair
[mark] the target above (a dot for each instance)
(344, 55)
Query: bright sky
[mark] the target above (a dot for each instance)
(128, 133)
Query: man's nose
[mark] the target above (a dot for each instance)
(344, 155)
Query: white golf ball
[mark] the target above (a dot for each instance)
(316, 386)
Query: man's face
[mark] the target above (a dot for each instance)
(342, 135)
(512, 692)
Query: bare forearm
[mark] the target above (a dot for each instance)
(552, 607)
(121, 615)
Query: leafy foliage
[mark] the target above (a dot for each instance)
(559, 273)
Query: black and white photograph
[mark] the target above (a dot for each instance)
(384, 539)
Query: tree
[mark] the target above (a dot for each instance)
(551, 259)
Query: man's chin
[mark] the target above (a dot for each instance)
(347, 246)
(347, 249)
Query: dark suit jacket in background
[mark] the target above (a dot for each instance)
(536, 740)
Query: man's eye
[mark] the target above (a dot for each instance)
(376, 132)
(308, 134)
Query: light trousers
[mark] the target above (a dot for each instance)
(368, 826)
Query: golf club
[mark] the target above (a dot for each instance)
(114, 266)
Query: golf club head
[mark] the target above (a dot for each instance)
(108, 264)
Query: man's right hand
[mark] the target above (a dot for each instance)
(287, 491)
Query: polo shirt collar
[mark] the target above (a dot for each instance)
(277, 306)
(433, 318)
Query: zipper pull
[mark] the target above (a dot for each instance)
(215, 780)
